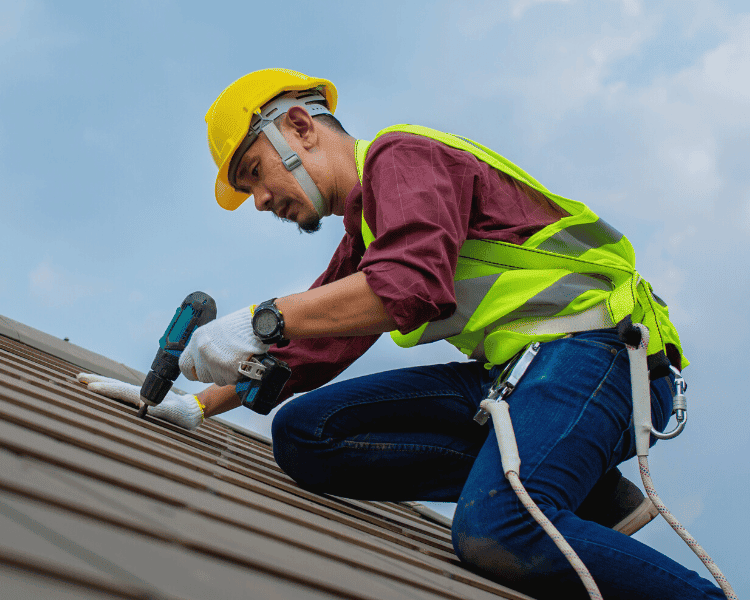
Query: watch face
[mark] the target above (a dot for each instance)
(265, 322)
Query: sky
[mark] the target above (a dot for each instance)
(639, 109)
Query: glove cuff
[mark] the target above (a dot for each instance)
(202, 407)
(241, 322)
(183, 411)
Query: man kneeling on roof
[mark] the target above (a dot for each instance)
(445, 239)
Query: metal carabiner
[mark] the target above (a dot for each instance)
(679, 408)
(509, 378)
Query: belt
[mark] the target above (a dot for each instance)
(596, 317)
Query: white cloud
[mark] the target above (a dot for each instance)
(607, 49)
(719, 83)
(581, 70)
(687, 122)
(54, 287)
(667, 275)
(563, 73)
(681, 113)
(689, 172)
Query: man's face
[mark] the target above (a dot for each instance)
(262, 174)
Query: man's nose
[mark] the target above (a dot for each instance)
(262, 198)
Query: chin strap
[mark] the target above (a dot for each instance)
(293, 164)
(314, 103)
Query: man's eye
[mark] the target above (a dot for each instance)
(254, 172)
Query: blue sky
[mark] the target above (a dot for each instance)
(641, 110)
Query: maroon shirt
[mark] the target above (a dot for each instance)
(422, 200)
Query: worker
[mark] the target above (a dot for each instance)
(444, 240)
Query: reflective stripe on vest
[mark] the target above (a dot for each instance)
(575, 274)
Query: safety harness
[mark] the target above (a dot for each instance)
(577, 274)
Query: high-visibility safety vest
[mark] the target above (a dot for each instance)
(576, 274)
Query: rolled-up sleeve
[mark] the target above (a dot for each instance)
(416, 198)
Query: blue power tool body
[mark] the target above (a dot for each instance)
(196, 310)
(262, 376)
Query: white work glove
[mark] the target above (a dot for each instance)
(216, 350)
(183, 411)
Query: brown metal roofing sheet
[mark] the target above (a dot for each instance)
(75, 355)
(146, 567)
(99, 500)
(20, 583)
(46, 413)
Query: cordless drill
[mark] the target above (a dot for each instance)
(262, 377)
(196, 310)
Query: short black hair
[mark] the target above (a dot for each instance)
(332, 123)
(328, 120)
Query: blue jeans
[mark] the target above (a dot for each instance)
(409, 434)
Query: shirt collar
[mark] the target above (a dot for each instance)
(353, 211)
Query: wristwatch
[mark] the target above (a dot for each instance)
(268, 323)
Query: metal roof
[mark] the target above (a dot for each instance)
(96, 503)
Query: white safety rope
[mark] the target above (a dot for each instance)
(506, 440)
(498, 408)
(551, 530)
(642, 422)
(682, 532)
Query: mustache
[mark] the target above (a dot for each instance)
(281, 206)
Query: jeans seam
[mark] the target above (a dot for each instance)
(405, 448)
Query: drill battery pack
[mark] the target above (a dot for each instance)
(263, 379)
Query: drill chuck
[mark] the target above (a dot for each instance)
(155, 388)
(196, 310)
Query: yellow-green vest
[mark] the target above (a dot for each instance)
(575, 274)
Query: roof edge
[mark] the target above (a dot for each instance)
(96, 363)
(240, 429)
(429, 514)
(86, 359)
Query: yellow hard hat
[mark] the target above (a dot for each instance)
(230, 116)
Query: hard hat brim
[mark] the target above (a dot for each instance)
(227, 197)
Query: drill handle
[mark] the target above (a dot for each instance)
(196, 310)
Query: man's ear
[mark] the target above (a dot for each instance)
(299, 121)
